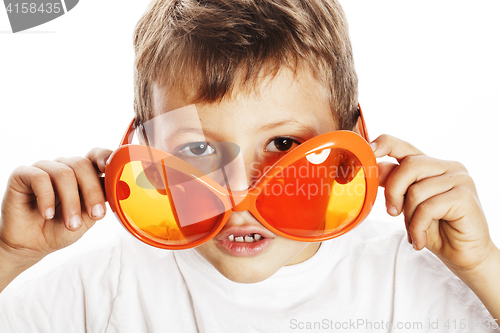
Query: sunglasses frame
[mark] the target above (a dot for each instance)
(349, 140)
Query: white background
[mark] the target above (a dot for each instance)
(429, 74)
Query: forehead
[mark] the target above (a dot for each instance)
(285, 100)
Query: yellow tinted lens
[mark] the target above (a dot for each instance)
(175, 215)
(346, 201)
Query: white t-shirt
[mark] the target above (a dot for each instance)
(368, 280)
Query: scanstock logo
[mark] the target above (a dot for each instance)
(26, 14)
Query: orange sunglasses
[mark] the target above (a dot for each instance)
(319, 190)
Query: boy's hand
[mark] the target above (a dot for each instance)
(50, 205)
(439, 202)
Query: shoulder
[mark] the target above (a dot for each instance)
(423, 289)
(52, 293)
(74, 292)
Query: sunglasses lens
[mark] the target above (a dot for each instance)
(165, 205)
(316, 196)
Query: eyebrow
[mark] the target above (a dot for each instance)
(287, 122)
(203, 131)
(189, 129)
(180, 131)
(268, 127)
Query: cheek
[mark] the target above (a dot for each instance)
(208, 251)
(289, 250)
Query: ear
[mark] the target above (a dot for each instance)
(142, 136)
(349, 164)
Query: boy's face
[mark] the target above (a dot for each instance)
(265, 125)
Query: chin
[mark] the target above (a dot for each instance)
(242, 269)
(250, 266)
(245, 272)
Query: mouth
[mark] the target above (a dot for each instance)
(249, 238)
(244, 241)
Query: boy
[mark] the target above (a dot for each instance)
(266, 78)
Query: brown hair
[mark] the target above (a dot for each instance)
(210, 46)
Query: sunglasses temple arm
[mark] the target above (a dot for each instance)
(363, 130)
(127, 139)
(103, 186)
(129, 134)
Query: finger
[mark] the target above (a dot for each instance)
(411, 170)
(420, 192)
(99, 156)
(89, 185)
(31, 180)
(384, 170)
(64, 180)
(429, 187)
(387, 145)
(450, 207)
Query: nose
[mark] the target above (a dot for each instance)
(236, 173)
(241, 201)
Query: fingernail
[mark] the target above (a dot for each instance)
(409, 238)
(373, 145)
(98, 211)
(49, 213)
(414, 245)
(392, 210)
(75, 222)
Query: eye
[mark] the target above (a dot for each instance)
(196, 149)
(281, 144)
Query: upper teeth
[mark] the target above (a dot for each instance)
(248, 238)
